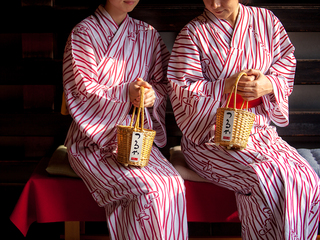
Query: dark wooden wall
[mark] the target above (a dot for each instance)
(32, 38)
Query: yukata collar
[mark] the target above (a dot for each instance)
(234, 33)
(106, 20)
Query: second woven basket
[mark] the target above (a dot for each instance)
(233, 126)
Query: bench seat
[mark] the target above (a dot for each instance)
(47, 198)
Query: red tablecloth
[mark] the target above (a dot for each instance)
(47, 199)
(207, 202)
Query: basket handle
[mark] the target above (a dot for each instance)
(140, 110)
(234, 89)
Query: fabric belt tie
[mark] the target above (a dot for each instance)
(239, 102)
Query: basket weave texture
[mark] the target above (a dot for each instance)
(242, 123)
(124, 135)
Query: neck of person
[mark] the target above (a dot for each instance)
(117, 16)
(233, 19)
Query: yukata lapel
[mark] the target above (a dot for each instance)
(233, 63)
(121, 39)
(236, 50)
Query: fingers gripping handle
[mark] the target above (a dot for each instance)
(234, 89)
(140, 110)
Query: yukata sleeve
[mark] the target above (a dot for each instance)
(95, 108)
(158, 79)
(194, 98)
(281, 74)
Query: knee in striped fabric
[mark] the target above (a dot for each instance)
(256, 217)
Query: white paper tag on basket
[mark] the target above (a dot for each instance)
(136, 146)
(227, 125)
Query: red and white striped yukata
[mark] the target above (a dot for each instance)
(277, 192)
(101, 60)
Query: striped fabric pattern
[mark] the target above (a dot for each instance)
(277, 191)
(100, 61)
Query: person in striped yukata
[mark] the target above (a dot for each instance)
(277, 192)
(108, 57)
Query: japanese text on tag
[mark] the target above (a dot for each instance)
(136, 146)
(227, 126)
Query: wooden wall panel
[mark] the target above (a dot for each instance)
(10, 47)
(308, 71)
(22, 171)
(16, 98)
(12, 4)
(39, 97)
(34, 124)
(37, 3)
(11, 98)
(20, 148)
(31, 71)
(37, 45)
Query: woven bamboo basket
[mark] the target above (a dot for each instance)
(124, 135)
(233, 126)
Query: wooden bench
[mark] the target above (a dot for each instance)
(60, 198)
(31, 76)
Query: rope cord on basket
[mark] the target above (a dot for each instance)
(141, 108)
(234, 89)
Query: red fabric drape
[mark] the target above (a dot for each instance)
(239, 101)
(47, 199)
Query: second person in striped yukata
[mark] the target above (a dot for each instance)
(277, 192)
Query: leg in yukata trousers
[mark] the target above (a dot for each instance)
(265, 212)
(141, 203)
(291, 189)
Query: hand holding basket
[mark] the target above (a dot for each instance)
(233, 126)
(135, 143)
